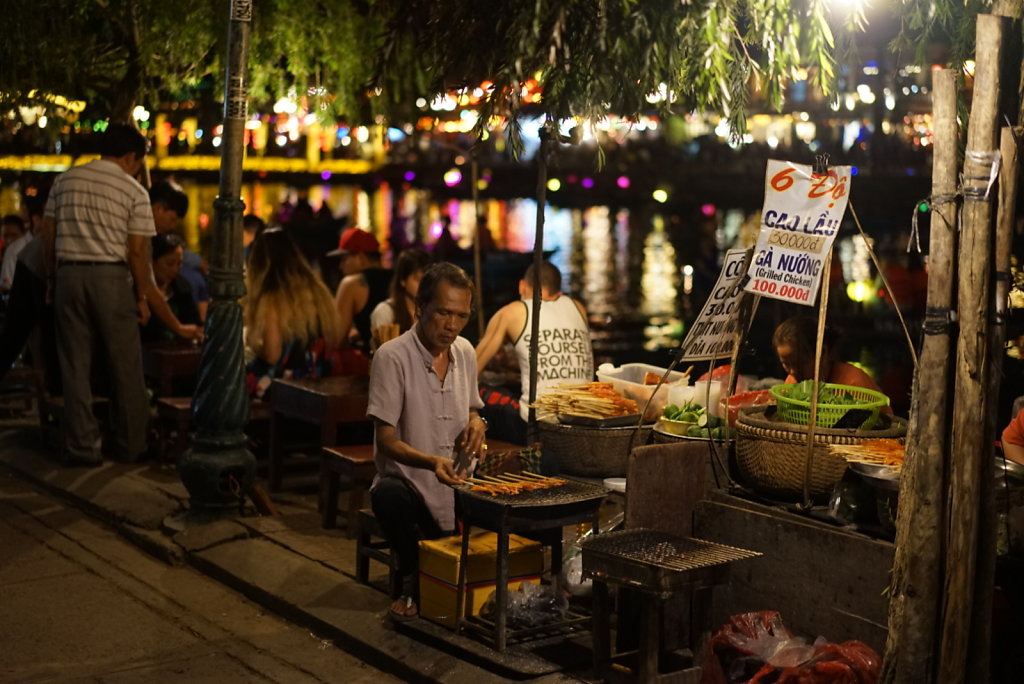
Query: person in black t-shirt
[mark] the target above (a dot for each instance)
(364, 286)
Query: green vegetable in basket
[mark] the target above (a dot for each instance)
(670, 411)
(802, 391)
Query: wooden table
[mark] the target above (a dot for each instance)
(167, 362)
(326, 402)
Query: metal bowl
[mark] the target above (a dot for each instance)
(676, 427)
(878, 476)
(1009, 469)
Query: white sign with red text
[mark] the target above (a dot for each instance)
(799, 222)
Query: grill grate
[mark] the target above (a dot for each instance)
(665, 551)
(572, 491)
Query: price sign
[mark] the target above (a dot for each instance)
(713, 334)
(801, 216)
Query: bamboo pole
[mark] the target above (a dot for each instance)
(981, 621)
(910, 656)
(971, 445)
(477, 269)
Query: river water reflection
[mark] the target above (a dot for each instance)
(643, 278)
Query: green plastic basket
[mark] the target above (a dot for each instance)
(799, 412)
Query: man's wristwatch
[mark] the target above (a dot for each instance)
(484, 421)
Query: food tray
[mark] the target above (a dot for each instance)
(587, 421)
(799, 412)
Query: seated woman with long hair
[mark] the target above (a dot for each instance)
(397, 313)
(292, 326)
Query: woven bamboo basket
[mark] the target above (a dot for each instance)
(771, 454)
(591, 452)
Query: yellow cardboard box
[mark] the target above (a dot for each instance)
(439, 572)
(439, 558)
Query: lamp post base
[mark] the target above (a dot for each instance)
(217, 478)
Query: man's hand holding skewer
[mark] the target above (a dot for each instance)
(444, 469)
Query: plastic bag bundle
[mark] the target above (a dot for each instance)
(756, 648)
(531, 605)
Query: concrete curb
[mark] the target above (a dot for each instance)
(260, 558)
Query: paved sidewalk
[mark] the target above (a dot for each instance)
(287, 563)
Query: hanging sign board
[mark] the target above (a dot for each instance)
(801, 216)
(713, 334)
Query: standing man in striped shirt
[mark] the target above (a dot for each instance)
(96, 229)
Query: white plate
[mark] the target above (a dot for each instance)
(616, 484)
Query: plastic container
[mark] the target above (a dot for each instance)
(679, 394)
(738, 402)
(629, 379)
(702, 398)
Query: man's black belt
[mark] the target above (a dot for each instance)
(87, 262)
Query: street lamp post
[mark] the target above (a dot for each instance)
(219, 469)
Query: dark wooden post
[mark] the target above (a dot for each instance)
(971, 445)
(219, 469)
(477, 258)
(538, 257)
(910, 652)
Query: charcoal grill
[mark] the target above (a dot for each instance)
(657, 565)
(567, 498)
(538, 514)
(658, 562)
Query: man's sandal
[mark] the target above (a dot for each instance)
(403, 609)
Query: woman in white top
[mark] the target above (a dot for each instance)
(397, 313)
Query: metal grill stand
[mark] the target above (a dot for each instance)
(538, 515)
(656, 565)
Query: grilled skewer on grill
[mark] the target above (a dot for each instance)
(511, 484)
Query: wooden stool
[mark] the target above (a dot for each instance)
(366, 548)
(174, 414)
(356, 464)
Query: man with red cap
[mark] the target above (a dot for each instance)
(364, 285)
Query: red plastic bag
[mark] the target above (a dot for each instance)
(756, 648)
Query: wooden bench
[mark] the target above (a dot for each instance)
(354, 463)
(174, 414)
(367, 548)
